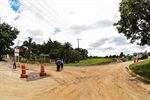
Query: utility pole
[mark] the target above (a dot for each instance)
(18, 55)
(78, 49)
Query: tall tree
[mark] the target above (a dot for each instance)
(7, 36)
(55, 50)
(67, 49)
(84, 53)
(134, 20)
(22, 50)
(48, 46)
(122, 54)
(74, 56)
(28, 44)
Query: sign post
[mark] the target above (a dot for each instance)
(16, 53)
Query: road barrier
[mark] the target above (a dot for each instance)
(136, 60)
(24, 75)
(42, 73)
(19, 64)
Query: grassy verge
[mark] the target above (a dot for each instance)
(93, 61)
(87, 62)
(141, 68)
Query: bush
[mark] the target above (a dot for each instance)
(41, 60)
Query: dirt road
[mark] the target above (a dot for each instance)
(103, 82)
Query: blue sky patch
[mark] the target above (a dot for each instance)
(56, 31)
(14, 4)
(17, 17)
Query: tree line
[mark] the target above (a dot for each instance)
(31, 50)
(54, 49)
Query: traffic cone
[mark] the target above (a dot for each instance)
(42, 73)
(134, 60)
(19, 64)
(24, 75)
(137, 60)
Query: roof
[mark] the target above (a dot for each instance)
(44, 55)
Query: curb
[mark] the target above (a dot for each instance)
(138, 76)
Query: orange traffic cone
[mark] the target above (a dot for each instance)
(134, 60)
(137, 60)
(42, 73)
(19, 64)
(24, 75)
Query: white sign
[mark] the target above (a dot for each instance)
(16, 53)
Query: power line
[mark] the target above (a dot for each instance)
(46, 15)
(55, 12)
(64, 22)
(62, 19)
(54, 17)
(50, 13)
(30, 18)
(66, 26)
(39, 10)
(58, 16)
(41, 20)
(36, 14)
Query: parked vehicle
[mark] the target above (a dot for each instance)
(141, 55)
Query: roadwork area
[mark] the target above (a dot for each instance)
(99, 82)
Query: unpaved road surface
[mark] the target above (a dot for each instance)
(101, 82)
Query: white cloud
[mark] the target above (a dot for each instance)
(98, 25)
(88, 20)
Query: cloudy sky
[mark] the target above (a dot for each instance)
(90, 21)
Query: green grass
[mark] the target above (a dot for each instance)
(92, 61)
(87, 62)
(141, 68)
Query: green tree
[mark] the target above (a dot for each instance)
(67, 48)
(134, 21)
(7, 36)
(114, 56)
(28, 44)
(74, 56)
(55, 50)
(84, 53)
(122, 54)
(22, 50)
(55, 53)
(48, 46)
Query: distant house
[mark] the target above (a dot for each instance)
(45, 57)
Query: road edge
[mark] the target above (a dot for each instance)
(138, 76)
